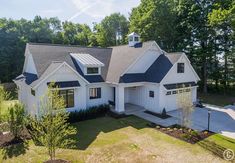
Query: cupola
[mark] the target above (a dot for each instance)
(133, 39)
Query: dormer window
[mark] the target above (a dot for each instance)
(88, 64)
(92, 70)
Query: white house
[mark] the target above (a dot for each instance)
(138, 73)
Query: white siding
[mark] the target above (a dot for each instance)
(144, 62)
(106, 94)
(30, 66)
(169, 101)
(66, 74)
(140, 96)
(174, 77)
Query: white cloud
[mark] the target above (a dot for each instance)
(102, 8)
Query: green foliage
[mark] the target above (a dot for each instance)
(16, 119)
(51, 128)
(4, 95)
(108, 28)
(90, 113)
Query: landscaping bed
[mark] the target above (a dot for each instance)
(162, 116)
(183, 133)
(8, 139)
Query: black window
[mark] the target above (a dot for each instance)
(68, 96)
(130, 38)
(151, 93)
(174, 92)
(92, 70)
(180, 68)
(33, 92)
(136, 38)
(168, 93)
(95, 93)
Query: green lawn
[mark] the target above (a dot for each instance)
(215, 99)
(120, 140)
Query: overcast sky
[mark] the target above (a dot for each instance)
(79, 11)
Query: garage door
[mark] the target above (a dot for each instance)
(171, 103)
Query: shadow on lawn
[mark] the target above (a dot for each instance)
(90, 129)
(15, 150)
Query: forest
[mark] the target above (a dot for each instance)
(203, 29)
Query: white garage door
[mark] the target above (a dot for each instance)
(171, 103)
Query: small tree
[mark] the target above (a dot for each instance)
(4, 95)
(184, 103)
(16, 119)
(51, 128)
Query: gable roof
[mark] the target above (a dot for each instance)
(44, 54)
(122, 57)
(155, 73)
(116, 61)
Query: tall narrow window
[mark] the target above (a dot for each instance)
(180, 68)
(95, 93)
(151, 94)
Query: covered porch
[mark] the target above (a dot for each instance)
(129, 98)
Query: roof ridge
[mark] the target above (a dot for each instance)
(64, 45)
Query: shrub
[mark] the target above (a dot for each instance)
(90, 113)
(16, 119)
(164, 113)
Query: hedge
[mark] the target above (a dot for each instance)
(90, 113)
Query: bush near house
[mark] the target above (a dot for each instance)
(90, 113)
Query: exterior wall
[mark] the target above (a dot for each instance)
(140, 96)
(65, 74)
(81, 94)
(144, 62)
(174, 77)
(169, 101)
(106, 94)
(30, 66)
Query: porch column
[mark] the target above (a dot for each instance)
(119, 99)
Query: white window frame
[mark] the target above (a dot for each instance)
(99, 71)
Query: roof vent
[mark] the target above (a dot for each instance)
(133, 39)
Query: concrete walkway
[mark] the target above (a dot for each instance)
(138, 111)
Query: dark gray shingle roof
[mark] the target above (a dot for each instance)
(116, 60)
(44, 54)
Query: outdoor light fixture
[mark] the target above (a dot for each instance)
(209, 116)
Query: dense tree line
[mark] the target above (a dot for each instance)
(203, 29)
(14, 34)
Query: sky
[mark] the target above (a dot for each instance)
(78, 11)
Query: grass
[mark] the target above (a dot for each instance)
(216, 99)
(119, 140)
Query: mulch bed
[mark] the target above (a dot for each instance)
(57, 161)
(157, 115)
(8, 139)
(182, 133)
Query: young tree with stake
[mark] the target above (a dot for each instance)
(51, 128)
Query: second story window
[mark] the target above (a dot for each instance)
(180, 68)
(92, 70)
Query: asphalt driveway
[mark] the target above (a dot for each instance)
(222, 119)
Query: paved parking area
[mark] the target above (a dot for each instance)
(222, 119)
